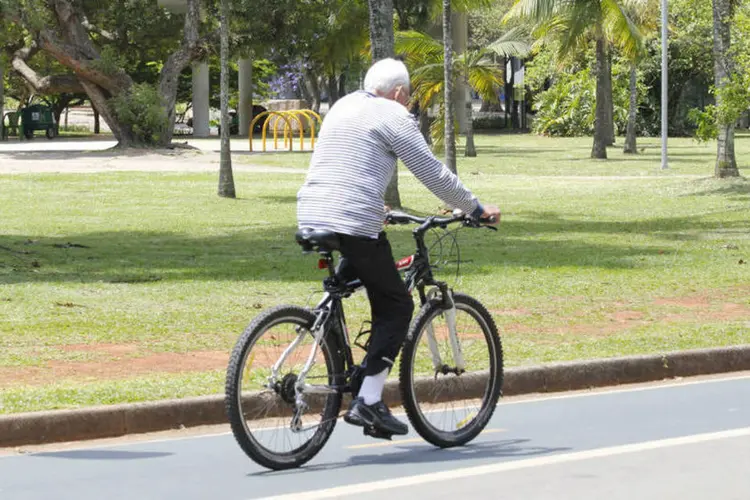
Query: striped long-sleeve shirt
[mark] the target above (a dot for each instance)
(360, 140)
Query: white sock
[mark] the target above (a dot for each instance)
(372, 387)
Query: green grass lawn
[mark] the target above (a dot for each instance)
(593, 259)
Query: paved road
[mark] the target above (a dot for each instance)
(688, 440)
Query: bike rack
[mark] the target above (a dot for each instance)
(313, 120)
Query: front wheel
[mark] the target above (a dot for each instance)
(449, 402)
(262, 408)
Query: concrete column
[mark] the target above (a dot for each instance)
(246, 95)
(460, 21)
(201, 90)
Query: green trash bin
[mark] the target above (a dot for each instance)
(37, 117)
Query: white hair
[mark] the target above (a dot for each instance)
(385, 75)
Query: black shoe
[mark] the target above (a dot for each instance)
(377, 416)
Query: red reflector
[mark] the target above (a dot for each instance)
(322, 264)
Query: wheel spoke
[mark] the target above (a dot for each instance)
(456, 403)
(263, 422)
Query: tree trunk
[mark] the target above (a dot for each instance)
(97, 123)
(726, 162)
(333, 89)
(508, 92)
(450, 114)
(342, 85)
(610, 100)
(226, 179)
(57, 112)
(424, 125)
(189, 51)
(630, 139)
(514, 121)
(471, 150)
(600, 121)
(306, 93)
(381, 29)
(460, 36)
(311, 84)
(381, 43)
(125, 135)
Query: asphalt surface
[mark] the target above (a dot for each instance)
(686, 440)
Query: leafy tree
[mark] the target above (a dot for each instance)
(727, 89)
(575, 23)
(87, 37)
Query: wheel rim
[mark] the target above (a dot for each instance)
(267, 412)
(450, 404)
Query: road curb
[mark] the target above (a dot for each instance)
(118, 420)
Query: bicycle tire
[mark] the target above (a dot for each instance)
(411, 395)
(247, 438)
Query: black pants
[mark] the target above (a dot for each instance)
(371, 260)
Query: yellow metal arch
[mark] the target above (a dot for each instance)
(287, 128)
(286, 115)
(311, 116)
(294, 114)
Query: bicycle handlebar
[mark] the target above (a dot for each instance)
(395, 217)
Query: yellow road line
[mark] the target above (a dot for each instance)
(406, 441)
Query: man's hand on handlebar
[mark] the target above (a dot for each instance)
(491, 215)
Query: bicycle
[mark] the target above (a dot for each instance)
(303, 398)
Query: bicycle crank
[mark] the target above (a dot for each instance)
(445, 370)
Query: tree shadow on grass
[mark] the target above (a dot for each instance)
(735, 189)
(270, 253)
(514, 151)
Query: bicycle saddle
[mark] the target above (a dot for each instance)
(318, 240)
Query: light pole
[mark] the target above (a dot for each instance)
(664, 83)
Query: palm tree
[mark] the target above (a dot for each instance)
(726, 162)
(226, 179)
(574, 23)
(425, 56)
(645, 15)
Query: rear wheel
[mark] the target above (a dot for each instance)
(261, 411)
(448, 405)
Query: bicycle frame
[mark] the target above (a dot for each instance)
(330, 322)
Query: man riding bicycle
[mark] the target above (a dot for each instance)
(360, 140)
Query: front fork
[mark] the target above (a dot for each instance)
(449, 307)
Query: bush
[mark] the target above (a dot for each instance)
(142, 110)
(705, 122)
(568, 107)
(488, 121)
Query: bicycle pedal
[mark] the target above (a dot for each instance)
(377, 433)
